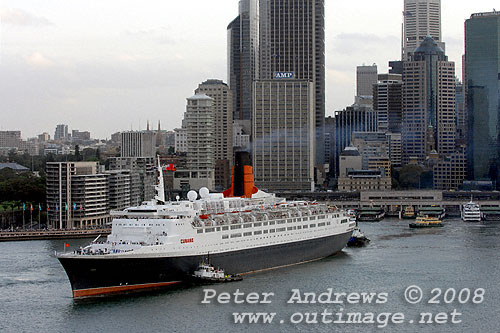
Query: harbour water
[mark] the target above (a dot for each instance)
(35, 295)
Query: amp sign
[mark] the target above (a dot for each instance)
(284, 75)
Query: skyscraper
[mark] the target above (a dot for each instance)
(366, 77)
(482, 63)
(243, 59)
(283, 133)
(387, 102)
(292, 41)
(223, 125)
(421, 18)
(428, 103)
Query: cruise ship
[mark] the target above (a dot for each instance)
(242, 230)
(471, 212)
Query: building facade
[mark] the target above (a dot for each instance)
(284, 135)
(421, 18)
(482, 82)
(366, 78)
(199, 123)
(352, 119)
(428, 103)
(223, 129)
(77, 195)
(138, 144)
(387, 102)
(292, 42)
(61, 132)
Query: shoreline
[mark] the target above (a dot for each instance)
(6, 236)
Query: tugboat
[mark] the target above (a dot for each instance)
(208, 273)
(426, 222)
(358, 239)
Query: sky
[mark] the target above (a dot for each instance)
(107, 66)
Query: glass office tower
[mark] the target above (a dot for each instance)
(482, 79)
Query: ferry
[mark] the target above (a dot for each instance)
(370, 214)
(409, 213)
(432, 211)
(426, 222)
(159, 244)
(471, 212)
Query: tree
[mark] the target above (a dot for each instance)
(77, 153)
(409, 176)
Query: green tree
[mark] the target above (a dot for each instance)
(409, 176)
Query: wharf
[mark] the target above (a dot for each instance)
(6, 236)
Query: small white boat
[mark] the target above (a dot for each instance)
(471, 212)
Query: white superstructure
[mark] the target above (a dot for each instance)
(471, 212)
(214, 224)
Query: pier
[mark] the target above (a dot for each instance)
(394, 201)
(52, 234)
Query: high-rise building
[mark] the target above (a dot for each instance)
(387, 102)
(243, 59)
(366, 78)
(10, 139)
(138, 144)
(142, 176)
(292, 45)
(352, 119)
(61, 132)
(422, 18)
(199, 122)
(428, 103)
(283, 135)
(223, 129)
(482, 81)
(460, 113)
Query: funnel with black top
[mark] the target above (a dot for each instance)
(243, 181)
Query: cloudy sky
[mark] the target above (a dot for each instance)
(106, 66)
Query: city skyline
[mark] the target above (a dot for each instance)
(138, 66)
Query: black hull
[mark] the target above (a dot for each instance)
(96, 275)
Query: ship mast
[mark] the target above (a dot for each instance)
(160, 186)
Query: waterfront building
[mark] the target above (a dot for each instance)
(449, 172)
(223, 129)
(284, 135)
(61, 132)
(120, 189)
(138, 144)
(428, 103)
(387, 102)
(352, 119)
(366, 78)
(77, 195)
(353, 177)
(142, 174)
(482, 80)
(421, 18)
